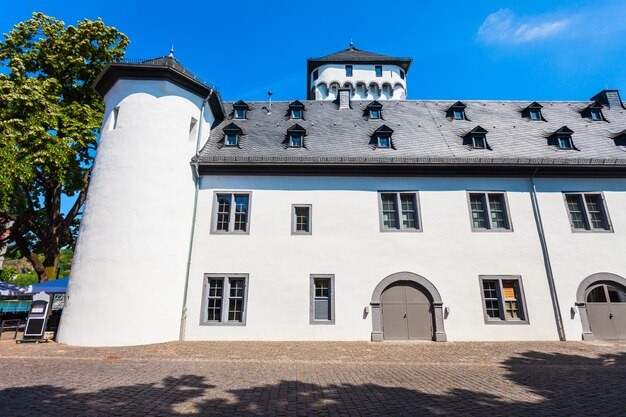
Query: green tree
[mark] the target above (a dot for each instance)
(50, 118)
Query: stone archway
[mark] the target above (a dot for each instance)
(377, 328)
(581, 302)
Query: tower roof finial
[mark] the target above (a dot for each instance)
(351, 44)
(171, 55)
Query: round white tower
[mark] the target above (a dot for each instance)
(128, 275)
(369, 76)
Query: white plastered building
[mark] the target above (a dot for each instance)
(353, 215)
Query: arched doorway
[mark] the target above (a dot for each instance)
(601, 301)
(406, 306)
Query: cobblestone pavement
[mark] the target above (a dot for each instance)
(311, 378)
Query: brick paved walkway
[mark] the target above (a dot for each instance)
(352, 379)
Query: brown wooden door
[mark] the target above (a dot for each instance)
(606, 309)
(406, 312)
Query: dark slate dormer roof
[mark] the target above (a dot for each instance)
(296, 105)
(383, 130)
(232, 128)
(586, 112)
(533, 106)
(477, 131)
(459, 105)
(296, 128)
(425, 141)
(559, 133)
(619, 138)
(374, 105)
(241, 105)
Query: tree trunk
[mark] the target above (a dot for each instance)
(51, 264)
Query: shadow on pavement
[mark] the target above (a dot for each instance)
(567, 385)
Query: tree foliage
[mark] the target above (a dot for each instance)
(50, 118)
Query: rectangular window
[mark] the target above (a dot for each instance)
(565, 142)
(479, 142)
(240, 113)
(383, 142)
(596, 115)
(503, 299)
(587, 211)
(301, 219)
(114, 115)
(231, 139)
(458, 115)
(225, 299)
(489, 211)
(379, 70)
(295, 141)
(348, 70)
(322, 299)
(296, 114)
(231, 213)
(399, 211)
(534, 115)
(374, 114)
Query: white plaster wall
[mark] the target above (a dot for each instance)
(346, 241)
(336, 73)
(127, 279)
(576, 255)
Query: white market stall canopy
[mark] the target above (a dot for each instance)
(7, 289)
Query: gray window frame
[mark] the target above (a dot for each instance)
(243, 115)
(231, 145)
(291, 143)
(312, 279)
(225, 297)
(569, 140)
(293, 114)
(507, 211)
(418, 214)
(521, 300)
(588, 228)
(231, 218)
(293, 219)
(600, 115)
(460, 112)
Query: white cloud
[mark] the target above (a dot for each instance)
(504, 26)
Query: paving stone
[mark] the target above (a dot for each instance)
(314, 379)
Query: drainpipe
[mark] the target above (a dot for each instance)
(183, 315)
(546, 259)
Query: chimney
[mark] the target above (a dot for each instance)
(608, 98)
(344, 98)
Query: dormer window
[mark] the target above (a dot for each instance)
(379, 70)
(373, 111)
(533, 112)
(295, 136)
(593, 112)
(296, 110)
(596, 115)
(456, 111)
(348, 70)
(562, 138)
(382, 137)
(476, 138)
(232, 134)
(295, 140)
(240, 109)
(231, 139)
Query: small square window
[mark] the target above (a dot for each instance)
(489, 211)
(384, 142)
(374, 114)
(348, 70)
(399, 211)
(225, 299)
(459, 115)
(587, 212)
(301, 219)
(596, 115)
(296, 114)
(565, 142)
(503, 299)
(240, 113)
(322, 299)
(231, 213)
(295, 141)
(479, 142)
(379, 70)
(535, 115)
(231, 139)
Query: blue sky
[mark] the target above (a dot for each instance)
(488, 49)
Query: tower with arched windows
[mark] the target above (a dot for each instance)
(367, 75)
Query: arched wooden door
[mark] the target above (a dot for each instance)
(407, 312)
(606, 308)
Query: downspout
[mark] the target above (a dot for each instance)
(546, 259)
(183, 315)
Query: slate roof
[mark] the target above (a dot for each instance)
(422, 135)
(354, 55)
